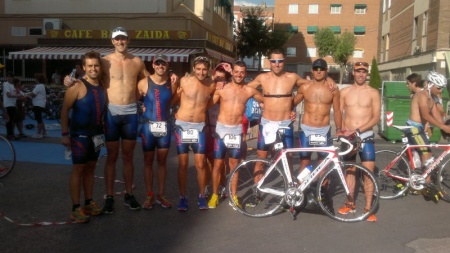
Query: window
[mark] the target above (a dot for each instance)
(291, 51)
(18, 31)
(360, 8)
(293, 9)
(293, 29)
(359, 30)
(336, 29)
(358, 53)
(35, 31)
(336, 8)
(311, 29)
(311, 52)
(313, 9)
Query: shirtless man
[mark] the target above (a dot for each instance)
(156, 133)
(315, 127)
(425, 109)
(277, 88)
(195, 92)
(232, 98)
(121, 72)
(360, 105)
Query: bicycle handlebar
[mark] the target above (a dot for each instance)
(347, 142)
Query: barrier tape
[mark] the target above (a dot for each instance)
(51, 223)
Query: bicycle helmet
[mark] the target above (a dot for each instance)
(437, 79)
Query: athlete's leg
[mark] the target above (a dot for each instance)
(112, 151)
(128, 164)
(162, 169)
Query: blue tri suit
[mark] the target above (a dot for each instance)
(157, 108)
(87, 121)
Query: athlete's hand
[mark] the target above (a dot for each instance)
(173, 77)
(331, 84)
(69, 81)
(446, 128)
(293, 116)
(65, 140)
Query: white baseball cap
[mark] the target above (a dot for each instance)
(119, 31)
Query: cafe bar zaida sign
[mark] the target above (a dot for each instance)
(106, 34)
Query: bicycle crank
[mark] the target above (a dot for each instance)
(417, 182)
(294, 197)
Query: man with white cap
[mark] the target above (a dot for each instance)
(156, 133)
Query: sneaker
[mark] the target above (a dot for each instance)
(108, 208)
(37, 136)
(372, 217)
(347, 208)
(148, 203)
(79, 216)
(130, 201)
(214, 201)
(163, 201)
(92, 209)
(202, 205)
(236, 202)
(183, 205)
(254, 201)
(223, 192)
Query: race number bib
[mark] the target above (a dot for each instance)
(317, 139)
(189, 136)
(158, 128)
(98, 142)
(232, 141)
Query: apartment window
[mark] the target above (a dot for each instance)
(336, 8)
(425, 23)
(311, 29)
(291, 51)
(293, 9)
(18, 31)
(360, 8)
(359, 30)
(358, 53)
(313, 9)
(35, 31)
(311, 52)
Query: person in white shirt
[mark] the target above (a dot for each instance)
(39, 99)
(9, 101)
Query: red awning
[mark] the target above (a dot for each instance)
(76, 53)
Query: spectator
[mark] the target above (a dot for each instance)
(39, 99)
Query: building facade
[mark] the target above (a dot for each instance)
(414, 38)
(42, 35)
(303, 18)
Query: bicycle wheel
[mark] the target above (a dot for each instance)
(7, 157)
(251, 201)
(443, 180)
(363, 189)
(391, 188)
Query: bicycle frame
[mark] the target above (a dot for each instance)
(407, 148)
(331, 157)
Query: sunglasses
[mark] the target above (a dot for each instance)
(201, 58)
(160, 63)
(319, 69)
(276, 60)
(365, 64)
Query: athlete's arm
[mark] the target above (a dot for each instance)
(337, 110)
(70, 96)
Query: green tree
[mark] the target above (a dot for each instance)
(340, 47)
(375, 78)
(256, 37)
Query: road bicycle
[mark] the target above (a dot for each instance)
(396, 172)
(7, 156)
(274, 188)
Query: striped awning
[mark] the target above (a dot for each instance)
(76, 53)
(219, 56)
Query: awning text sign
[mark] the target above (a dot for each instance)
(106, 34)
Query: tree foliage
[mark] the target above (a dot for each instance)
(340, 47)
(375, 78)
(256, 37)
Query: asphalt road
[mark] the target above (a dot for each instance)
(38, 192)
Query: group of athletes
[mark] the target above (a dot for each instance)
(104, 101)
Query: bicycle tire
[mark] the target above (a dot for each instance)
(332, 196)
(391, 188)
(7, 157)
(267, 204)
(443, 180)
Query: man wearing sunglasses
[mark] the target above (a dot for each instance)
(360, 105)
(194, 95)
(318, 100)
(158, 91)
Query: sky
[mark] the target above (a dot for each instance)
(254, 2)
